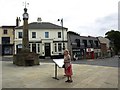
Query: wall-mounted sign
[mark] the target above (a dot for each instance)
(76, 49)
(20, 46)
(89, 49)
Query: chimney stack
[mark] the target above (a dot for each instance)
(18, 21)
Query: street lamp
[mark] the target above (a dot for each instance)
(61, 20)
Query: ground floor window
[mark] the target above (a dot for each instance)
(38, 47)
(29, 46)
(34, 47)
(55, 47)
(63, 46)
(59, 47)
(19, 47)
(8, 50)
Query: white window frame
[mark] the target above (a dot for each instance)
(47, 36)
(19, 34)
(34, 35)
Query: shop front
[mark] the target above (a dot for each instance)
(90, 53)
(7, 49)
(78, 53)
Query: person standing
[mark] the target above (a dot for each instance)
(68, 66)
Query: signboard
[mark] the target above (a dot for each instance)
(76, 49)
(89, 50)
(59, 62)
(20, 46)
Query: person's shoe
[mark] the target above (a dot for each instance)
(67, 81)
(70, 81)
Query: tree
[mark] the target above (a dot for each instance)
(114, 37)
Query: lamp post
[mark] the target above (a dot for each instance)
(61, 20)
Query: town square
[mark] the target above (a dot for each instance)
(98, 73)
(73, 49)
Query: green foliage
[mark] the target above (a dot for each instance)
(114, 37)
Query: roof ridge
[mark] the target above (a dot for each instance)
(42, 25)
(38, 22)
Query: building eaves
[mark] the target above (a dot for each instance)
(8, 26)
(89, 37)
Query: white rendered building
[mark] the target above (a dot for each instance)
(45, 38)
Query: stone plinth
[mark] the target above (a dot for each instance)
(26, 59)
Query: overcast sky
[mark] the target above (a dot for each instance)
(86, 17)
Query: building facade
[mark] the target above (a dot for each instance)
(6, 40)
(106, 50)
(83, 47)
(45, 38)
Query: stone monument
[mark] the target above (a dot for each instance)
(25, 57)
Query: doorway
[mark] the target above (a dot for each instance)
(47, 49)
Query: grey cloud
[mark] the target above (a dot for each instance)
(101, 25)
(107, 22)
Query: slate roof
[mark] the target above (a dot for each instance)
(41, 25)
(72, 32)
(76, 35)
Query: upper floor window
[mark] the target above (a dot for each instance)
(5, 31)
(59, 34)
(33, 34)
(19, 34)
(91, 43)
(78, 42)
(85, 43)
(46, 34)
(96, 43)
